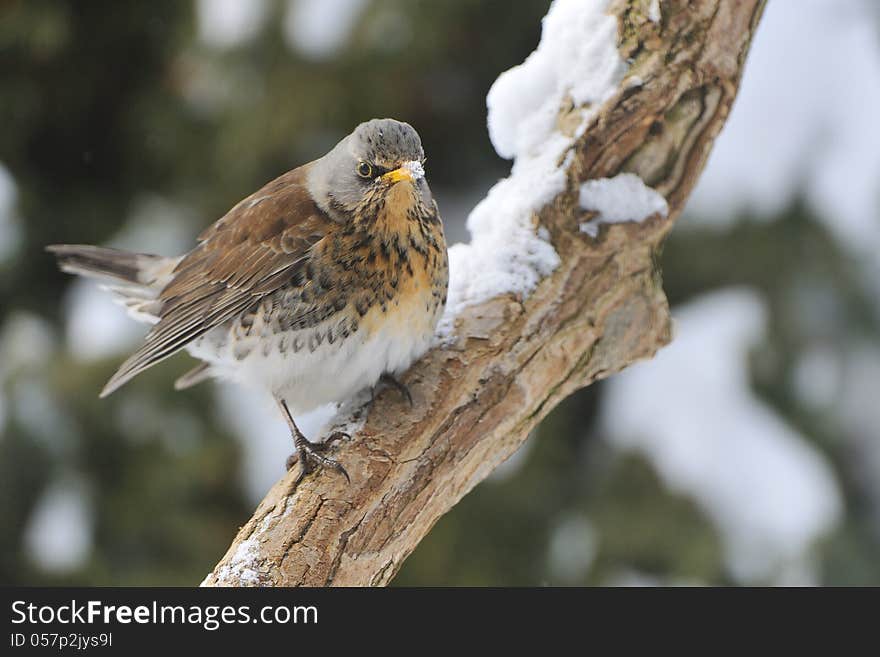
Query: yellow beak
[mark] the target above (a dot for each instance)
(397, 175)
(410, 171)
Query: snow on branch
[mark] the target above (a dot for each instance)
(576, 62)
(623, 198)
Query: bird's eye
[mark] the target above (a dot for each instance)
(364, 170)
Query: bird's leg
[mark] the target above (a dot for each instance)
(389, 381)
(308, 454)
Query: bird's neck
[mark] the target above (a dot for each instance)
(400, 216)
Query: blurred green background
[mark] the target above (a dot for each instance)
(748, 454)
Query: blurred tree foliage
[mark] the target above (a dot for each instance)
(104, 102)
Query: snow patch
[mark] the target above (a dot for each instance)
(27, 342)
(654, 11)
(37, 409)
(800, 124)
(156, 224)
(229, 23)
(572, 550)
(10, 225)
(58, 537)
(576, 60)
(96, 327)
(318, 29)
(622, 198)
(858, 414)
(692, 413)
(243, 568)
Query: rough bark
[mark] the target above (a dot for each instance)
(512, 361)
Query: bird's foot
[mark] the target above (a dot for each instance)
(389, 381)
(310, 457)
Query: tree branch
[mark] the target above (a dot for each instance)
(513, 360)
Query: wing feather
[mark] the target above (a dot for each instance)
(254, 250)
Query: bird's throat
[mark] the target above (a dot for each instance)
(399, 211)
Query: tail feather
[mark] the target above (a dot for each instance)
(106, 263)
(134, 279)
(201, 372)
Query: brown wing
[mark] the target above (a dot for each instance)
(252, 251)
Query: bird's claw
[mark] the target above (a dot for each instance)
(310, 457)
(389, 381)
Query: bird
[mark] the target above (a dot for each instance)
(328, 280)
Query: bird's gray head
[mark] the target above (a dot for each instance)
(366, 164)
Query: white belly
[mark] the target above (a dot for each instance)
(307, 379)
